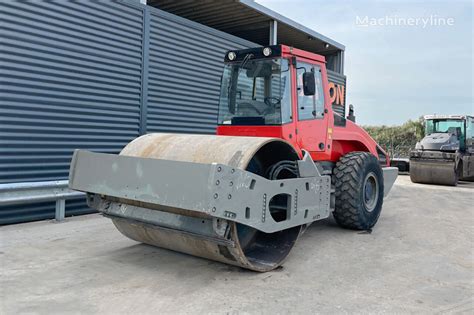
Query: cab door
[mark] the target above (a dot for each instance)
(311, 123)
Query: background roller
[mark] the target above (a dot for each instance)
(446, 154)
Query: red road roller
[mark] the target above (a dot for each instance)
(281, 160)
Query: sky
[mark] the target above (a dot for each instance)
(401, 71)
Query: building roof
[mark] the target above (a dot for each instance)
(251, 21)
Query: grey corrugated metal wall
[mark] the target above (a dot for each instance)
(75, 75)
(190, 58)
(70, 78)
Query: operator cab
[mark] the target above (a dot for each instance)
(255, 89)
(447, 124)
(276, 91)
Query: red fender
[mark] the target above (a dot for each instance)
(354, 138)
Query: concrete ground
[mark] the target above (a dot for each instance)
(418, 259)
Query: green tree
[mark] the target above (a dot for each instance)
(398, 140)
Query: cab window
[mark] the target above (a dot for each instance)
(470, 128)
(310, 106)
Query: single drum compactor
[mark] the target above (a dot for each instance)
(280, 160)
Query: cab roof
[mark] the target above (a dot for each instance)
(275, 52)
(431, 117)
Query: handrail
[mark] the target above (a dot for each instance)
(22, 193)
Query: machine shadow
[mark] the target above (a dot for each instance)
(183, 265)
(155, 259)
(466, 184)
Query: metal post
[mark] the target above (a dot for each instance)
(145, 70)
(273, 32)
(341, 54)
(60, 210)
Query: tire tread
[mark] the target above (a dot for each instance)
(346, 178)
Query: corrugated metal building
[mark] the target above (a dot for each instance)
(96, 74)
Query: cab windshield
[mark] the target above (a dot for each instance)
(255, 92)
(444, 126)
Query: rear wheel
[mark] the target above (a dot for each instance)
(358, 182)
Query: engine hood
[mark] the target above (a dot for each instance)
(438, 142)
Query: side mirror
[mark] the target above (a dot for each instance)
(309, 84)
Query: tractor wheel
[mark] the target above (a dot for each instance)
(358, 182)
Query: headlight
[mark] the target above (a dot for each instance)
(267, 51)
(231, 55)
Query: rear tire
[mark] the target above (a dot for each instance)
(358, 182)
